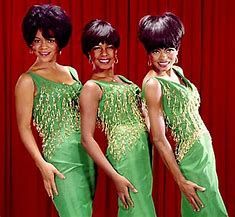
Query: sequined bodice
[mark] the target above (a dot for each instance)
(181, 112)
(55, 111)
(119, 115)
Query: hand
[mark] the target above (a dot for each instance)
(189, 190)
(48, 172)
(122, 187)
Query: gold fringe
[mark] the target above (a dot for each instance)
(181, 113)
(120, 117)
(55, 111)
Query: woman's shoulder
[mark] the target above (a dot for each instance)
(25, 77)
(91, 85)
(178, 69)
(150, 84)
(91, 90)
(124, 79)
(71, 70)
(25, 82)
(150, 80)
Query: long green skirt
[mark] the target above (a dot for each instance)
(198, 166)
(77, 189)
(135, 165)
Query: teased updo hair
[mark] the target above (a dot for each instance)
(52, 20)
(160, 31)
(98, 31)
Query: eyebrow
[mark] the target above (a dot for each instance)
(36, 37)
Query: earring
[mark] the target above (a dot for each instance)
(149, 63)
(116, 60)
(60, 52)
(31, 51)
(93, 66)
(176, 59)
(89, 58)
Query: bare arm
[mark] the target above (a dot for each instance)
(24, 94)
(157, 123)
(89, 100)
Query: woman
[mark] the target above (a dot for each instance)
(173, 103)
(114, 102)
(48, 93)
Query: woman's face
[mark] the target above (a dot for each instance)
(103, 56)
(163, 59)
(46, 50)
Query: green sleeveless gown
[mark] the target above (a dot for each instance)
(128, 147)
(194, 152)
(56, 117)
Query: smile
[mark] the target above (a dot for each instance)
(104, 61)
(44, 53)
(163, 64)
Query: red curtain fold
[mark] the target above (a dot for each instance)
(206, 55)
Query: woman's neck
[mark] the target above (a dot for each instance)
(45, 65)
(165, 73)
(107, 75)
(40, 64)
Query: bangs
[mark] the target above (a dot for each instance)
(96, 32)
(47, 33)
(104, 36)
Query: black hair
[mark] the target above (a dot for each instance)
(163, 31)
(52, 20)
(98, 31)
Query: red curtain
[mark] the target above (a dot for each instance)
(206, 55)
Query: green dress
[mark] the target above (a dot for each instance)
(194, 152)
(56, 117)
(128, 147)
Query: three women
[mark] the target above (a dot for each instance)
(48, 93)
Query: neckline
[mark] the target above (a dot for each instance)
(179, 84)
(184, 82)
(123, 79)
(55, 82)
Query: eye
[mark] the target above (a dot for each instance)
(170, 50)
(157, 51)
(51, 40)
(36, 41)
(110, 47)
(96, 48)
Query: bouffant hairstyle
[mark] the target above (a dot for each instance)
(163, 31)
(52, 20)
(98, 31)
